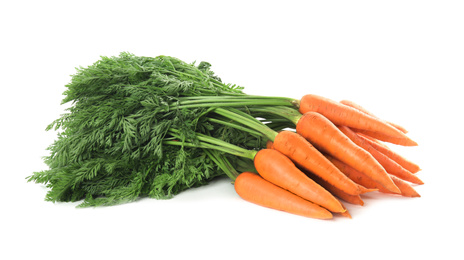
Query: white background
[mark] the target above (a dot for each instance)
(403, 60)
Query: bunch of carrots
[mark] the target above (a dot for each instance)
(129, 111)
(336, 154)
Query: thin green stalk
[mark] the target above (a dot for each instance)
(293, 101)
(236, 126)
(223, 163)
(259, 100)
(293, 115)
(248, 121)
(233, 149)
(209, 142)
(279, 126)
(230, 103)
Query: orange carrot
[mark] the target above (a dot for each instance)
(356, 175)
(362, 109)
(306, 156)
(270, 144)
(341, 114)
(345, 214)
(406, 189)
(362, 179)
(253, 188)
(366, 190)
(278, 169)
(372, 139)
(383, 137)
(388, 164)
(353, 199)
(326, 137)
(310, 159)
(405, 163)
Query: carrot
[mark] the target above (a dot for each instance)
(353, 199)
(341, 114)
(356, 175)
(366, 190)
(278, 169)
(269, 144)
(389, 165)
(405, 163)
(325, 136)
(253, 188)
(306, 156)
(383, 137)
(345, 214)
(315, 164)
(362, 109)
(406, 189)
(365, 181)
(372, 139)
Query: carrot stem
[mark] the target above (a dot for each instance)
(247, 120)
(236, 126)
(233, 101)
(289, 113)
(209, 142)
(222, 163)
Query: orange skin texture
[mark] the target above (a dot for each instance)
(353, 199)
(405, 163)
(341, 114)
(362, 109)
(278, 169)
(253, 188)
(306, 156)
(386, 138)
(356, 176)
(327, 138)
(360, 178)
(270, 144)
(388, 164)
(406, 189)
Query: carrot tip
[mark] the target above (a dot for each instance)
(346, 214)
(412, 195)
(395, 190)
(366, 190)
(370, 190)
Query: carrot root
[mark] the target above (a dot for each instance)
(352, 199)
(387, 138)
(388, 164)
(306, 156)
(269, 145)
(406, 190)
(326, 137)
(253, 188)
(278, 169)
(341, 114)
(362, 109)
(405, 163)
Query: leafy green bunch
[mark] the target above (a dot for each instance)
(112, 145)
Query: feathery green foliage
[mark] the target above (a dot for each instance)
(110, 147)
